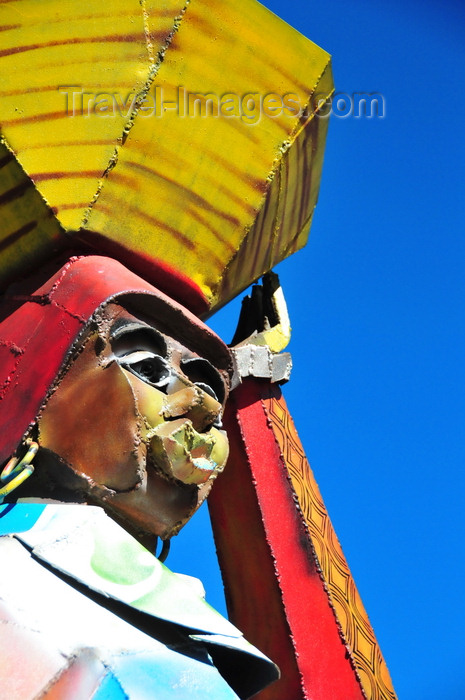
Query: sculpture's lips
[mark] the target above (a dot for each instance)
(183, 453)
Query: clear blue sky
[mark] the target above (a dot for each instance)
(377, 308)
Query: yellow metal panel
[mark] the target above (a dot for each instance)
(196, 184)
(52, 50)
(29, 232)
(179, 157)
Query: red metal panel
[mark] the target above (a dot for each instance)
(275, 593)
(39, 333)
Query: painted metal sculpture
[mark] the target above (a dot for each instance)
(109, 391)
(184, 142)
(123, 417)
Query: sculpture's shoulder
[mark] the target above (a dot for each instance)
(84, 607)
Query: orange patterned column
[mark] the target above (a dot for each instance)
(344, 597)
(288, 586)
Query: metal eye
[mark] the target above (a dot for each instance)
(148, 366)
(205, 376)
(208, 390)
(218, 423)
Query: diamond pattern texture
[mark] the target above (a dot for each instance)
(355, 626)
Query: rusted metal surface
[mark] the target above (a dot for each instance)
(125, 403)
(95, 384)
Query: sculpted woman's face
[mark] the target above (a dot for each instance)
(136, 425)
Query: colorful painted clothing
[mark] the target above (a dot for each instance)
(87, 612)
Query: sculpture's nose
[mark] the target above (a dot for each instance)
(193, 403)
(186, 445)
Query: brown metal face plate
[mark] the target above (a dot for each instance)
(136, 417)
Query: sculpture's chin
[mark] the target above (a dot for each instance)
(158, 507)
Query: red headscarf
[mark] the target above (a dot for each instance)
(38, 334)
